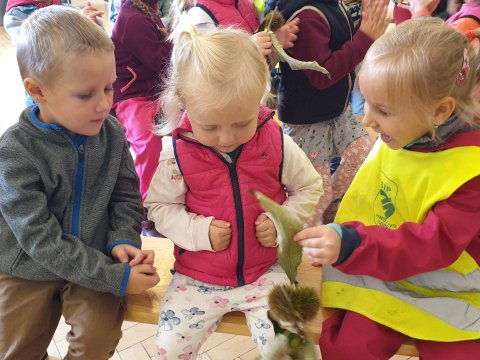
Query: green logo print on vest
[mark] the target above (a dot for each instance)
(386, 213)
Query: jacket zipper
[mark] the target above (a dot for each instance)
(78, 188)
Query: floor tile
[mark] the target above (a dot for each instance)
(135, 352)
(214, 340)
(150, 346)
(234, 347)
(128, 324)
(52, 351)
(251, 355)
(136, 334)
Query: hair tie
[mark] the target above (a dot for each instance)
(462, 75)
(470, 34)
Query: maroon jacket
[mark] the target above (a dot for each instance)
(141, 53)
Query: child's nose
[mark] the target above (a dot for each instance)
(367, 120)
(226, 138)
(103, 104)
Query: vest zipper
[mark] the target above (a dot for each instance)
(232, 168)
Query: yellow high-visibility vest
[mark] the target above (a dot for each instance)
(397, 186)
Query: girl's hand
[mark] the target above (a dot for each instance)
(374, 18)
(287, 34)
(321, 243)
(263, 41)
(124, 253)
(265, 231)
(220, 234)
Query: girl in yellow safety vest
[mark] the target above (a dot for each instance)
(402, 258)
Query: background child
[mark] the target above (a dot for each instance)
(315, 110)
(224, 146)
(142, 54)
(17, 11)
(163, 10)
(241, 14)
(405, 245)
(70, 209)
(467, 17)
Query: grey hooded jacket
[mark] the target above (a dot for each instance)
(65, 201)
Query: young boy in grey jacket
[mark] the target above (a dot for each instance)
(70, 204)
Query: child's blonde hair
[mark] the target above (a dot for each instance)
(51, 37)
(210, 71)
(419, 63)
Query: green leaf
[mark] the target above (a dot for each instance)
(289, 252)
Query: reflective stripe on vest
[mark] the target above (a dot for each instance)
(397, 186)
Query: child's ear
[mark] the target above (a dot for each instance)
(35, 89)
(444, 110)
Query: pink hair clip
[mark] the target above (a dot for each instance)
(462, 75)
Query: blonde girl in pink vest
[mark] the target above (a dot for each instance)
(224, 145)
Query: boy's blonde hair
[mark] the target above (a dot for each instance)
(54, 35)
(210, 71)
(419, 62)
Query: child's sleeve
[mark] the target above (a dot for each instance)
(313, 43)
(25, 210)
(125, 207)
(166, 205)
(450, 227)
(302, 182)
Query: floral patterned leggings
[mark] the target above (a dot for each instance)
(192, 310)
(337, 184)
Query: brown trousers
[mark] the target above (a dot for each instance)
(30, 312)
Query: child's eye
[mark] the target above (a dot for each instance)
(383, 112)
(241, 125)
(210, 128)
(84, 96)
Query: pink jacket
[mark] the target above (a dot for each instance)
(469, 10)
(37, 3)
(221, 189)
(238, 13)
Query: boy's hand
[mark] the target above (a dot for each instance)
(265, 231)
(287, 34)
(263, 41)
(127, 253)
(142, 277)
(321, 243)
(220, 234)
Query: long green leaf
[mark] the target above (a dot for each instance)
(289, 252)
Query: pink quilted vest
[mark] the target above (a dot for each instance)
(237, 13)
(219, 189)
(471, 10)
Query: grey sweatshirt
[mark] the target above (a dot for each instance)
(65, 201)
